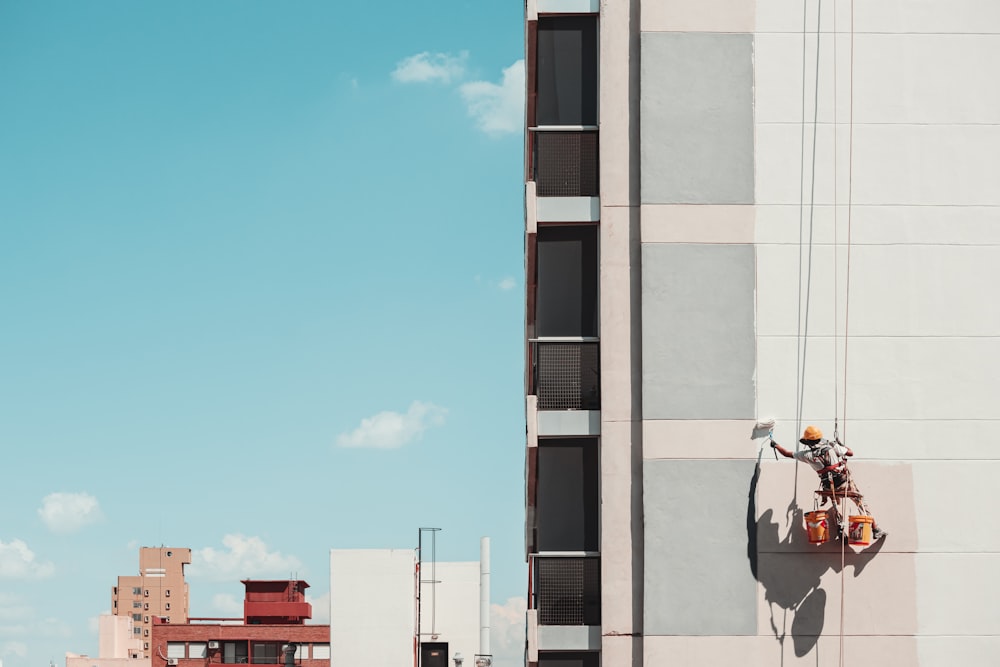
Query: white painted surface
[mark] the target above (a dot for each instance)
(450, 610)
(704, 16)
(372, 607)
(683, 223)
(567, 209)
(885, 225)
(957, 594)
(954, 505)
(569, 422)
(568, 6)
(896, 290)
(569, 637)
(888, 378)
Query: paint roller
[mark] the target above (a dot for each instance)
(764, 427)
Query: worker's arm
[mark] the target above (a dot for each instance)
(784, 452)
(848, 451)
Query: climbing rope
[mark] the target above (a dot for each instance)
(847, 291)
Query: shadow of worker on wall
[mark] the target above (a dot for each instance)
(792, 572)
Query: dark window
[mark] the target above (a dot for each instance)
(567, 281)
(567, 509)
(266, 654)
(137, 617)
(434, 654)
(561, 659)
(234, 653)
(137, 591)
(567, 70)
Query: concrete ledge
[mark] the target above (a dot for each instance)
(569, 637)
(567, 6)
(568, 422)
(567, 209)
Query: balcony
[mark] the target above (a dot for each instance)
(565, 373)
(564, 161)
(566, 589)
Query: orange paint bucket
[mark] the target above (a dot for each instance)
(859, 530)
(818, 526)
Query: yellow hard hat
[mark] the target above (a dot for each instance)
(812, 433)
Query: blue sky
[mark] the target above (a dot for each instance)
(261, 290)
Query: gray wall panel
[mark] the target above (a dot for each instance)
(697, 331)
(697, 118)
(697, 578)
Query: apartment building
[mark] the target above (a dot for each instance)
(272, 631)
(159, 590)
(741, 210)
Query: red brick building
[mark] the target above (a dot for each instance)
(273, 623)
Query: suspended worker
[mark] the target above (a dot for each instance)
(829, 460)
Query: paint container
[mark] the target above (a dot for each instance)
(859, 532)
(818, 526)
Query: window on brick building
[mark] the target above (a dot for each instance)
(321, 651)
(175, 650)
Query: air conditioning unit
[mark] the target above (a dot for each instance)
(214, 645)
(172, 662)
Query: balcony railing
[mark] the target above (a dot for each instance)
(566, 589)
(564, 161)
(566, 373)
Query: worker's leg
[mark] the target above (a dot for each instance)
(859, 500)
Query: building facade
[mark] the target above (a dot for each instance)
(272, 631)
(390, 607)
(118, 645)
(159, 590)
(743, 210)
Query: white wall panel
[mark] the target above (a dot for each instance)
(926, 164)
(898, 79)
(915, 439)
(957, 594)
(886, 225)
(896, 290)
(928, 16)
(785, 164)
(802, 15)
(898, 16)
(888, 378)
(923, 78)
(905, 164)
(952, 505)
(964, 651)
(785, 65)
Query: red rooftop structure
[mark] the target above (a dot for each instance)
(271, 632)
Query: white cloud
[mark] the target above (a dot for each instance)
(20, 649)
(427, 67)
(507, 283)
(17, 561)
(507, 632)
(69, 512)
(321, 608)
(388, 430)
(242, 558)
(497, 108)
(12, 609)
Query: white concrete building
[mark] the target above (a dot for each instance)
(750, 209)
(118, 645)
(374, 608)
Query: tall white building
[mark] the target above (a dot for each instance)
(748, 209)
(394, 607)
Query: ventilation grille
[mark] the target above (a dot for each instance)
(566, 164)
(567, 376)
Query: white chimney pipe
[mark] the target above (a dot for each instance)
(484, 596)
